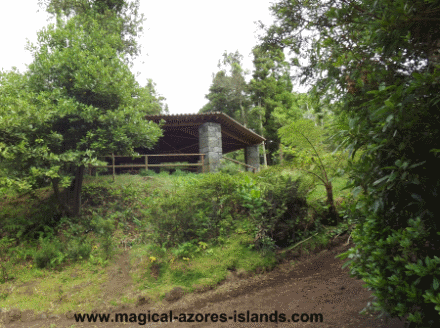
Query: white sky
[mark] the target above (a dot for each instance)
(181, 44)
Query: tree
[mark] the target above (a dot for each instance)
(380, 60)
(271, 92)
(78, 99)
(228, 92)
(304, 135)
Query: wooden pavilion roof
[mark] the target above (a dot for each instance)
(181, 133)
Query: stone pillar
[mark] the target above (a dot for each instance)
(210, 144)
(252, 157)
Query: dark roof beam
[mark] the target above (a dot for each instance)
(234, 137)
(182, 137)
(178, 151)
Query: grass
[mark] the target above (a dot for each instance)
(116, 220)
(53, 291)
(205, 269)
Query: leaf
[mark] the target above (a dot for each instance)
(417, 164)
(393, 176)
(417, 197)
(380, 180)
(356, 191)
(389, 104)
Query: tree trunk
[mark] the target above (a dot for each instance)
(69, 199)
(59, 197)
(75, 191)
(264, 147)
(332, 209)
(281, 154)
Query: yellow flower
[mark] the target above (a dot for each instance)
(152, 259)
(186, 259)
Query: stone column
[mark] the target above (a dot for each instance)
(210, 144)
(252, 157)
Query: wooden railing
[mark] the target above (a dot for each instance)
(254, 169)
(146, 165)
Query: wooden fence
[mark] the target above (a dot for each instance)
(147, 165)
(254, 169)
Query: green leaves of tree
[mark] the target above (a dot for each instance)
(363, 54)
(78, 100)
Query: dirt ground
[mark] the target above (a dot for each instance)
(317, 285)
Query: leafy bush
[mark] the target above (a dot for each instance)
(228, 167)
(78, 249)
(195, 212)
(146, 173)
(104, 228)
(278, 209)
(50, 253)
(180, 173)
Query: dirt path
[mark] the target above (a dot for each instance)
(318, 285)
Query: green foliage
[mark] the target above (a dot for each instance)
(180, 173)
(271, 92)
(228, 91)
(5, 244)
(50, 253)
(146, 173)
(284, 220)
(78, 249)
(365, 56)
(79, 78)
(104, 228)
(195, 212)
(228, 167)
(308, 139)
(209, 208)
(293, 134)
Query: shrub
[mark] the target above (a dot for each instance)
(278, 209)
(180, 173)
(195, 212)
(229, 167)
(146, 173)
(78, 249)
(104, 228)
(50, 253)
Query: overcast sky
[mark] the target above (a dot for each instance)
(181, 44)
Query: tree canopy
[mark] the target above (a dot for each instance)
(380, 61)
(77, 101)
(228, 92)
(271, 93)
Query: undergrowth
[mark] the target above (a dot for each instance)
(182, 229)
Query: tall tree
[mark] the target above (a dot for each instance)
(78, 99)
(228, 91)
(271, 92)
(308, 139)
(380, 59)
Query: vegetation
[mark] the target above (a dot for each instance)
(359, 153)
(183, 231)
(379, 60)
(77, 101)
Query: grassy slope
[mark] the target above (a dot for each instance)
(83, 285)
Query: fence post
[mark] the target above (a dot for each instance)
(113, 166)
(146, 163)
(203, 163)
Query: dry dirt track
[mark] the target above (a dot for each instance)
(317, 285)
